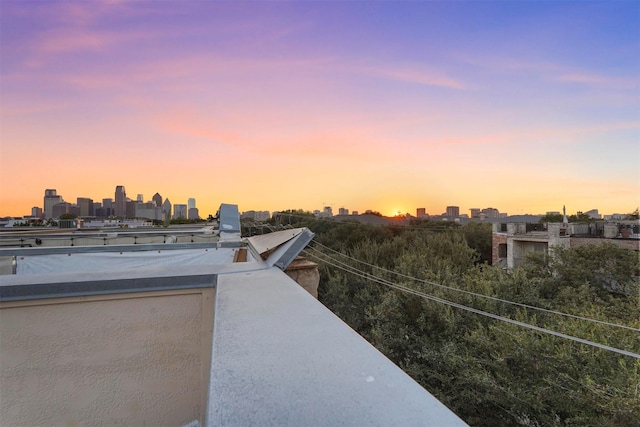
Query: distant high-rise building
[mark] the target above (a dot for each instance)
(86, 206)
(193, 213)
(179, 211)
(166, 210)
(120, 205)
(421, 212)
(354, 212)
(474, 212)
(107, 208)
(593, 214)
(191, 203)
(140, 198)
(37, 212)
(327, 212)
(51, 198)
(491, 213)
(130, 211)
(62, 208)
(158, 199)
(343, 211)
(148, 210)
(453, 211)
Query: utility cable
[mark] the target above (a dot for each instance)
(384, 282)
(617, 325)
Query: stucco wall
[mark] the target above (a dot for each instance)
(129, 359)
(305, 273)
(633, 244)
(497, 239)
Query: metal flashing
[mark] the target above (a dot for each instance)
(297, 245)
(103, 287)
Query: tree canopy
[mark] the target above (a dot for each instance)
(489, 372)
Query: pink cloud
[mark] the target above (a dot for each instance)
(419, 77)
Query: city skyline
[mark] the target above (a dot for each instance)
(391, 106)
(52, 197)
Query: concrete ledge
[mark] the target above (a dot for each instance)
(280, 358)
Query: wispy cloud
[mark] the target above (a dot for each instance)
(568, 135)
(402, 73)
(551, 71)
(601, 81)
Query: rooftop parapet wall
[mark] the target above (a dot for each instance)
(279, 357)
(112, 359)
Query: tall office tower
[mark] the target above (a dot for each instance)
(107, 207)
(86, 206)
(158, 199)
(421, 212)
(120, 206)
(130, 211)
(51, 199)
(61, 208)
(191, 203)
(193, 213)
(166, 210)
(453, 211)
(180, 211)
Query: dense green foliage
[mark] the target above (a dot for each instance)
(489, 372)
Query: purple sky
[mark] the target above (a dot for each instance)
(523, 106)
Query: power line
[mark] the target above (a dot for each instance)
(384, 282)
(477, 294)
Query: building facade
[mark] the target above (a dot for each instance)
(51, 198)
(120, 204)
(157, 198)
(179, 211)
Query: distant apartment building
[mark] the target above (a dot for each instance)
(140, 198)
(453, 211)
(512, 242)
(474, 212)
(593, 214)
(327, 212)
(421, 212)
(354, 212)
(191, 203)
(51, 198)
(343, 211)
(179, 211)
(490, 213)
(120, 205)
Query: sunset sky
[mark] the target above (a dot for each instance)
(391, 106)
